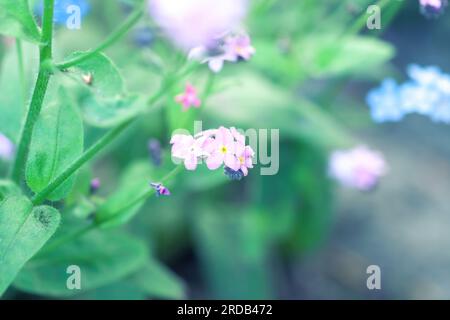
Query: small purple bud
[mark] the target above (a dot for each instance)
(160, 189)
(154, 148)
(6, 148)
(95, 185)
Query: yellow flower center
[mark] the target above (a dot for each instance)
(223, 149)
(241, 160)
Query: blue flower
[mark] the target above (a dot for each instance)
(61, 13)
(385, 102)
(427, 93)
(418, 98)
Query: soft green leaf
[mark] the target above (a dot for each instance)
(16, 20)
(103, 258)
(23, 231)
(252, 100)
(8, 188)
(105, 79)
(325, 56)
(157, 281)
(57, 142)
(134, 181)
(106, 113)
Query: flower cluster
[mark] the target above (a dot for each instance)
(6, 148)
(217, 147)
(432, 8)
(232, 47)
(359, 168)
(427, 93)
(193, 23)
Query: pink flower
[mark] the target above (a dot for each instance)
(6, 148)
(218, 147)
(192, 23)
(189, 98)
(245, 156)
(232, 48)
(222, 150)
(239, 47)
(188, 149)
(359, 168)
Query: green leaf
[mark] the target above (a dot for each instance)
(8, 188)
(134, 181)
(103, 258)
(12, 102)
(251, 100)
(23, 231)
(327, 55)
(16, 20)
(157, 281)
(57, 142)
(106, 80)
(106, 113)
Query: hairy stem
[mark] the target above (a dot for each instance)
(116, 35)
(38, 94)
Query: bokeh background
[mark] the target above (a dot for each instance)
(297, 234)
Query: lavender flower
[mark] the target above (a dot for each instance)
(359, 168)
(192, 23)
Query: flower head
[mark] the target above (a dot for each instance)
(188, 98)
(231, 48)
(218, 147)
(192, 23)
(359, 168)
(426, 93)
(432, 8)
(385, 102)
(6, 148)
(160, 189)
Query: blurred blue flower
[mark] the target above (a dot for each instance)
(61, 14)
(427, 93)
(385, 102)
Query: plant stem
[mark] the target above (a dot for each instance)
(38, 93)
(21, 70)
(77, 164)
(98, 146)
(143, 196)
(116, 35)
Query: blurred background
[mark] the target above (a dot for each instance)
(296, 234)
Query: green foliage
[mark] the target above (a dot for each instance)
(16, 20)
(134, 181)
(23, 230)
(57, 142)
(103, 258)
